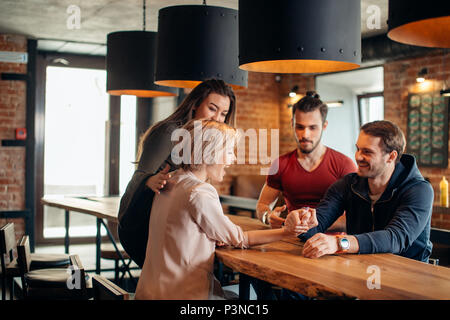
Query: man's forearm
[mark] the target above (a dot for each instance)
(261, 208)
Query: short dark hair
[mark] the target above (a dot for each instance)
(309, 103)
(392, 137)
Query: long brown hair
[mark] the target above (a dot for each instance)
(194, 99)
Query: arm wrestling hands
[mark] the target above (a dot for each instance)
(320, 244)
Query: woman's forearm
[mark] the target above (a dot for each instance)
(256, 237)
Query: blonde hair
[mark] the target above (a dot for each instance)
(204, 141)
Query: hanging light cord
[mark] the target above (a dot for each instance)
(143, 15)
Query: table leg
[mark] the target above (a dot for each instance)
(111, 238)
(66, 237)
(98, 245)
(244, 287)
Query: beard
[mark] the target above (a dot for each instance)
(306, 150)
(313, 145)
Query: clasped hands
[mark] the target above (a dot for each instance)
(300, 221)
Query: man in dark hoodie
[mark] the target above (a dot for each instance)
(387, 202)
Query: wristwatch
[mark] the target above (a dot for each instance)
(343, 244)
(265, 217)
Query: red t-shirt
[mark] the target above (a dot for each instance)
(301, 188)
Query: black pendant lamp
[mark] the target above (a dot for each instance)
(198, 42)
(299, 36)
(420, 23)
(130, 64)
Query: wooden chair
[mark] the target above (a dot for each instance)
(38, 261)
(107, 290)
(441, 246)
(10, 268)
(54, 283)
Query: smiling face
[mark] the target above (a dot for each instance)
(214, 107)
(308, 129)
(370, 157)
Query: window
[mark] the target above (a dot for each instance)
(76, 112)
(127, 140)
(344, 121)
(371, 107)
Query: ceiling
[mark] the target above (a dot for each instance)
(46, 20)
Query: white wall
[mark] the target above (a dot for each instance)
(163, 107)
(343, 122)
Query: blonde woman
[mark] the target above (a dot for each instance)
(211, 99)
(187, 219)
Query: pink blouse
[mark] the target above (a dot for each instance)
(185, 222)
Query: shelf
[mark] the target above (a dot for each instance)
(15, 76)
(14, 143)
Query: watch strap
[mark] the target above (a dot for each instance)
(265, 217)
(338, 239)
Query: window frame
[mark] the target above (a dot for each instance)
(44, 60)
(365, 96)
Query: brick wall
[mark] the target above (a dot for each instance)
(12, 116)
(399, 81)
(262, 105)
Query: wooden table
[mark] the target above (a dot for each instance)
(108, 208)
(281, 263)
(338, 276)
(102, 208)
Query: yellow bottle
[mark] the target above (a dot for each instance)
(443, 185)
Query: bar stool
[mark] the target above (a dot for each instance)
(107, 290)
(56, 283)
(38, 261)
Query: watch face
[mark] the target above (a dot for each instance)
(345, 244)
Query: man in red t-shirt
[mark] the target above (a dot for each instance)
(304, 174)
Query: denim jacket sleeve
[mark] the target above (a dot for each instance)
(330, 208)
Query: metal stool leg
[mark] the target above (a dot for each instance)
(116, 271)
(66, 236)
(11, 288)
(3, 287)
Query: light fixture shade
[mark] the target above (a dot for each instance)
(130, 65)
(198, 42)
(299, 36)
(420, 23)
